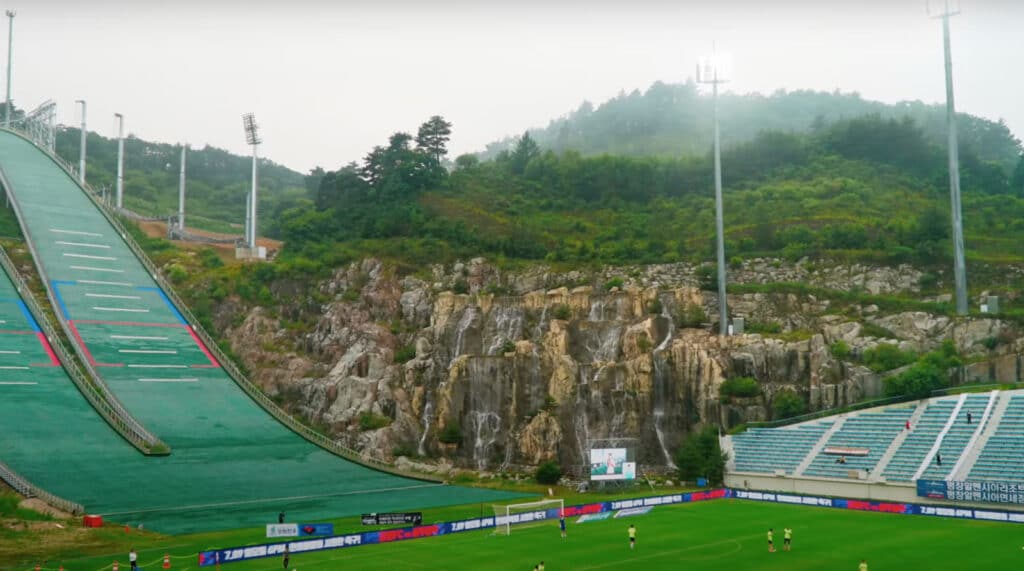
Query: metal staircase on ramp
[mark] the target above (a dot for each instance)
(890, 453)
(987, 426)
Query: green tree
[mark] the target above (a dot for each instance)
(526, 149)
(432, 138)
(788, 404)
(700, 456)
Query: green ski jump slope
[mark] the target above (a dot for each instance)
(231, 463)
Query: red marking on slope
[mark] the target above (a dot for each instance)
(49, 350)
(213, 362)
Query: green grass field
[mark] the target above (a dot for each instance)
(714, 535)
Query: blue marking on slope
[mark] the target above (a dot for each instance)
(60, 299)
(163, 296)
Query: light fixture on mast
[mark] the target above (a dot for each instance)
(252, 137)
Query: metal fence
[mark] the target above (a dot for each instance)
(27, 489)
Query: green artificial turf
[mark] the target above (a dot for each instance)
(715, 535)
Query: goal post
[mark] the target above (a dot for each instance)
(505, 516)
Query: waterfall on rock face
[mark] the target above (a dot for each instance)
(661, 371)
(483, 419)
(508, 326)
(468, 315)
(539, 329)
(428, 415)
(596, 310)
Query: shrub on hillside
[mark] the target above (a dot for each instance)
(840, 350)
(788, 404)
(691, 316)
(548, 473)
(452, 433)
(742, 387)
(886, 357)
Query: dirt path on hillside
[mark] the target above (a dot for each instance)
(157, 229)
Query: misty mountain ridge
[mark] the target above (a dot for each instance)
(676, 120)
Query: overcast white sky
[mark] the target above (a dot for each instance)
(328, 80)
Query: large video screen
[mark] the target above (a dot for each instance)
(611, 464)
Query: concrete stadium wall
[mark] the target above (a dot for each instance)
(853, 489)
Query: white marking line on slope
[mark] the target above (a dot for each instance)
(111, 296)
(95, 282)
(92, 269)
(76, 232)
(13, 368)
(124, 309)
(88, 257)
(3, 321)
(18, 383)
(140, 337)
(10, 352)
(82, 244)
(155, 366)
(185, 380)
(147, 352)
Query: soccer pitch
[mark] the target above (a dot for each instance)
(713, 535)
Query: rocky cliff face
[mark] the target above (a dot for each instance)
(404, 366)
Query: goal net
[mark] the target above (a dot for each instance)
(534, 512)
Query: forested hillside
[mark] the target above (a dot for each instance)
(869, 188)
(674, 120)
(217, 181)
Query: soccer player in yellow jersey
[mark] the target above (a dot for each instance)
(863, 565)
(787, 538)
(771, 540)
(632, 536)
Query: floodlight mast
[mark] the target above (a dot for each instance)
(81, 148)
(181, 191)
(120, 160)
(712, 70)
(252, 138)
(959, 264)
(10, 45)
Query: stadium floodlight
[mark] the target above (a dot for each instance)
(81, 147)
(252, 137)
(10, 46)
(181, 190)
(959, 265)
(508, 515)
(713, 70)
(120, 161)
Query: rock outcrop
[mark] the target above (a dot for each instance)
(404, 366)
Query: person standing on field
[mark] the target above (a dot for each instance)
(133, 559)
(287, 556)
(632, 536)
(787, 539)
(771, 540)
(561, 524)
(863, 565)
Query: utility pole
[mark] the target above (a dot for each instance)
(10, 47)
(181, 191)
(81, 148)
(959, 264)
(252, 138)
(708, 71)
(120, 160)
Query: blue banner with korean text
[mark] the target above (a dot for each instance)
(972, 491)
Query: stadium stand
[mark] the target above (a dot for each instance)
(871, 430)
(768, 450)
(1002, 457)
